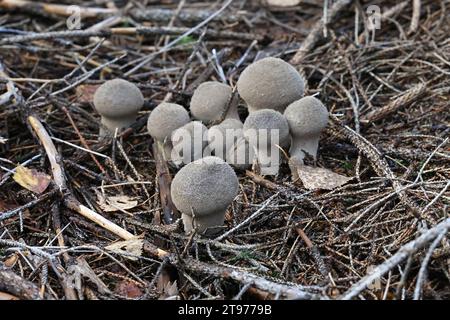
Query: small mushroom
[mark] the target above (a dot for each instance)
(210, 101)
(118, 102)
(190, 143)
(223, 136)
(307, 118)
(163, 121)
(202, 192)
(266, 130)
(270, 83)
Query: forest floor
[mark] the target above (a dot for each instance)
(382, 235)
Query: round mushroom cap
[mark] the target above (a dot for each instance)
(206, 186)
(270, 83)
(270, 120)
(166, 118)
(210, 100)
(306, 117)
(118, 98)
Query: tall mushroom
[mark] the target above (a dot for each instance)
(266, 130)
(190, 143)
(163, 121)
(202, 192)
(118, 102)
(211, 100)
(270, 83)
(307, 118)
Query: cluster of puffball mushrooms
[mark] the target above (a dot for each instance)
(205, 186)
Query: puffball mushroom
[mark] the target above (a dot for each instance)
(165, 119)
(270, 83)
(202, 192)
(223, 136)
(307, 118)
(260, 129)
(118, 102)
(189, 142)
(210, 100)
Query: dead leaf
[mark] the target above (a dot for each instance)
(376, 284)
(85, 92)
(115, 203)
(131, 249)
(128, 289)
(82, 268)
(11, 261)
(170, 291)
(32, 179)
(320, 178)
(283, 3)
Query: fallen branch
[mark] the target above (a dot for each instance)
(18, 286)
(286, 291)
(142, 31)
(407, 98)
(404, 252)
(59, 179)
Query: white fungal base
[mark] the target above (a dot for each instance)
(299, 149)
(207, 225)
(112, 124)
(302, 146)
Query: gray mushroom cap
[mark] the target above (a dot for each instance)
(270, 83)
(166, 118)
(307, 118)
(210, 101)
(117, 99)
(270, 120)
(205, 186)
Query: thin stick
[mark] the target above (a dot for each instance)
(415, 17)
(402, 253)
(58, 177)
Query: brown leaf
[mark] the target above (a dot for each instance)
(115, 203)
(131, 249)
(82, 269)
(85, 92)
(319, 178)
(128, 289)
(376, 284)
(11, 261)
(32, 179)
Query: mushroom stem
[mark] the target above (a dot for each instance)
(304, 145)
(203, 224)
(113, 123)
